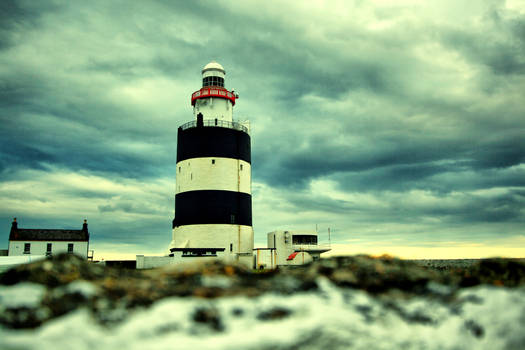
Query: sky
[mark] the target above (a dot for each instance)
(399, 125)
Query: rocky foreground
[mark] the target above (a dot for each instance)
(339, 303)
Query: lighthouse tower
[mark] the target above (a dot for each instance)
(213, 203)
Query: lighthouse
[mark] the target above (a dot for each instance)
(213, 203)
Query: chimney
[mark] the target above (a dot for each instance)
(84, 226)
(14, 225)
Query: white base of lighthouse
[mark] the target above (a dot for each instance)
(235, 242)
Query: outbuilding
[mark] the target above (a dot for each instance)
(287, 248)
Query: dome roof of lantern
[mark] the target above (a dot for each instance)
(213, 66)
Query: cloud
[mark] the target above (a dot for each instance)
(380, 120)
(119, 209)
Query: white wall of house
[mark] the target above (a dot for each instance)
(40, 247)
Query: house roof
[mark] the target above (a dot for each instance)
(24, 234)
(37, 234)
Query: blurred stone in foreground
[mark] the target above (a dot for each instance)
(372, 290)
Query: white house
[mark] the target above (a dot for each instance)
(46, 242)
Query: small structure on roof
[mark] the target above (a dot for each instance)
(46, 242)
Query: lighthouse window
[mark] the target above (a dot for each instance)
(179, 169)
(213, 81)
(241, 166)
(213, 161)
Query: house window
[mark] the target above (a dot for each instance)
(48, 249)
(27, 248)
(70, 247)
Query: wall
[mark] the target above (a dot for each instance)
(7, 262)
(265, 258)
(217, 236)
(214, 108)
(301, 258)
(283, 243)
(40, 247)
(150, 262)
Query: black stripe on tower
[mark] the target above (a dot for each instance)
(213, 142)
(213, 207)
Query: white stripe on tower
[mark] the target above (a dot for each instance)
(213, 173)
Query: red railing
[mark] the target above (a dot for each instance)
(212, 92)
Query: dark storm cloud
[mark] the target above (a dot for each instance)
(63, 98)
(380, 102)
(15, 15)
(501, 47)
(392, 163)
(465, 209)
(21, 156)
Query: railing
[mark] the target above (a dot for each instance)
(311, 247)
(216, 123)
(213, 92)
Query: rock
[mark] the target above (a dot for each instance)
(274, 314)
(210, 317)
(110, 294)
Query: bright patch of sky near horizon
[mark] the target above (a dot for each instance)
(398, 124)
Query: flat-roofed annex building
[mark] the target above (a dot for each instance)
(47, 242)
